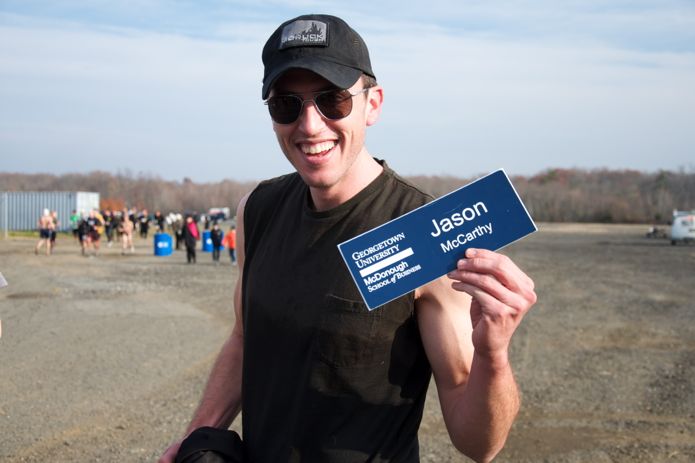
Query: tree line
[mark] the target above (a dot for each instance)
(554, 195)
(142, 190)
(600, 195)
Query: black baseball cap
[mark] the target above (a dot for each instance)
(320, 43)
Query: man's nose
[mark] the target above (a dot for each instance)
(310, 119)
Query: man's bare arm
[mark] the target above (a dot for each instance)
(467, 342)
(221, 399)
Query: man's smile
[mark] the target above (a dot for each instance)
(317, 148)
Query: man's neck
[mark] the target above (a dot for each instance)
(362, 173)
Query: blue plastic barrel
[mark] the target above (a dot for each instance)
(162, 244)
(207, 241)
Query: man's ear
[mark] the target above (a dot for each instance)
(375, 98)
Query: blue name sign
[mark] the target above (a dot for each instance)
(401, 255)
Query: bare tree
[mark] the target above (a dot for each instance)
(553, 195)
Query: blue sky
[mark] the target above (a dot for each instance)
(172, 88)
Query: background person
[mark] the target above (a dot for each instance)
(54, 229)
(229, 242)
(94, 226)
(109, 226)
(144, 224)
(83, 233)
(177, 229)
(75, 224)
(159, 220)
(116, 219)
(216, 238)
(133, 215)
(126, 228)
(191, 235)
(46, 226)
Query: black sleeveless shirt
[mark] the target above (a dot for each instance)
(325, 379)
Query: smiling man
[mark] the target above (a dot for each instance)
(317, 376)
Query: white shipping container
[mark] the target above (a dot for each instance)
(20, 210)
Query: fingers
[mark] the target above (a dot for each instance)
(487, 274)
(494, 296)
(482, 260)
(500, 266)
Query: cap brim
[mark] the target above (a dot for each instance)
(337, 74)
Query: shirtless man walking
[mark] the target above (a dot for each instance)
(46, 229)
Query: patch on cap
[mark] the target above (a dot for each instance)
(304, 33)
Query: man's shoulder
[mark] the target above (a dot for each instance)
(275, 187)
(409, 187)
(279, 180)
(404, 189)
(269, 194)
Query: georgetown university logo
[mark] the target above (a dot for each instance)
(302, 33)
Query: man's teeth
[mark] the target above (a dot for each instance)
(318, 147)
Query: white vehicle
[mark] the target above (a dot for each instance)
(683, 227)
(218, 213)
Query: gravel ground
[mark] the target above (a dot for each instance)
(103, 359)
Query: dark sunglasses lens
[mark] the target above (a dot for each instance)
(335, 105)
(284, 109)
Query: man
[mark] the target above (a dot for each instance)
(177, 228)
(216, 237)
(159, 219)
(94, 227)
(229, 241)
(126, 229)
(324, 379)
(54, 229)
(109, 226)
(46, 228)
(144, 223)
(75, 223)
(191, 235)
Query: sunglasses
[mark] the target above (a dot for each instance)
(331, 104)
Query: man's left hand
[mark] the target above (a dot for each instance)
(502, 294)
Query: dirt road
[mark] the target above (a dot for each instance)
(103, 359)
